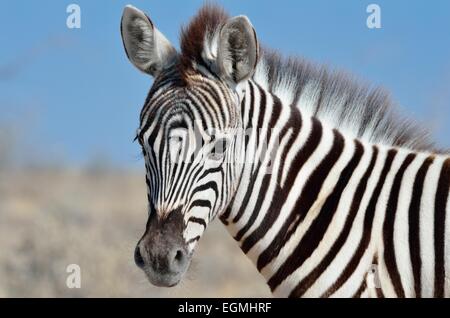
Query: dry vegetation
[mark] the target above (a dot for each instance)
(50, 218)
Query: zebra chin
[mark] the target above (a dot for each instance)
(163, 279)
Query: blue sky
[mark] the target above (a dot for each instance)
(72, 95)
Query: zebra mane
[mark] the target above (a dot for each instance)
(334, 97)
(337, 99)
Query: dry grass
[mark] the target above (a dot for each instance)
(52, 218)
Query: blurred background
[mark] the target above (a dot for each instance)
(72, 184)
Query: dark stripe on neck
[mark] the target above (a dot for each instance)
(388, 227)
(275, 115)
(276, 205)
(439, 229)
(263, 189)
(367, 227)
(319, 227)
(361, 288)
(224, 217)
(414, 221)
(304, 203)
(309, 280)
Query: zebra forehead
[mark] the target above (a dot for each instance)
(205, 101)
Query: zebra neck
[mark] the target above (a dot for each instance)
(298, 163)
(304, 175)
(315, 218)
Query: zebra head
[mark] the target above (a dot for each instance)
(190, 131)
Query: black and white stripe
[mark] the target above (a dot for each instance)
(326, 191)
(343, 205)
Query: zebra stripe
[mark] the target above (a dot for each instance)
(287, 221)
(324, 192)
(394, 197)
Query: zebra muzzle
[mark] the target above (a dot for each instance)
(162, 253)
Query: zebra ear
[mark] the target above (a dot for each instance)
(145, 46)
(238, 50)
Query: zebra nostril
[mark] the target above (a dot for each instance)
(138, 259)
(179, 260)
(179, 256)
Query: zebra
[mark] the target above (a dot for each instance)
(325, 187)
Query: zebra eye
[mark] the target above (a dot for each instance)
(220, 147)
